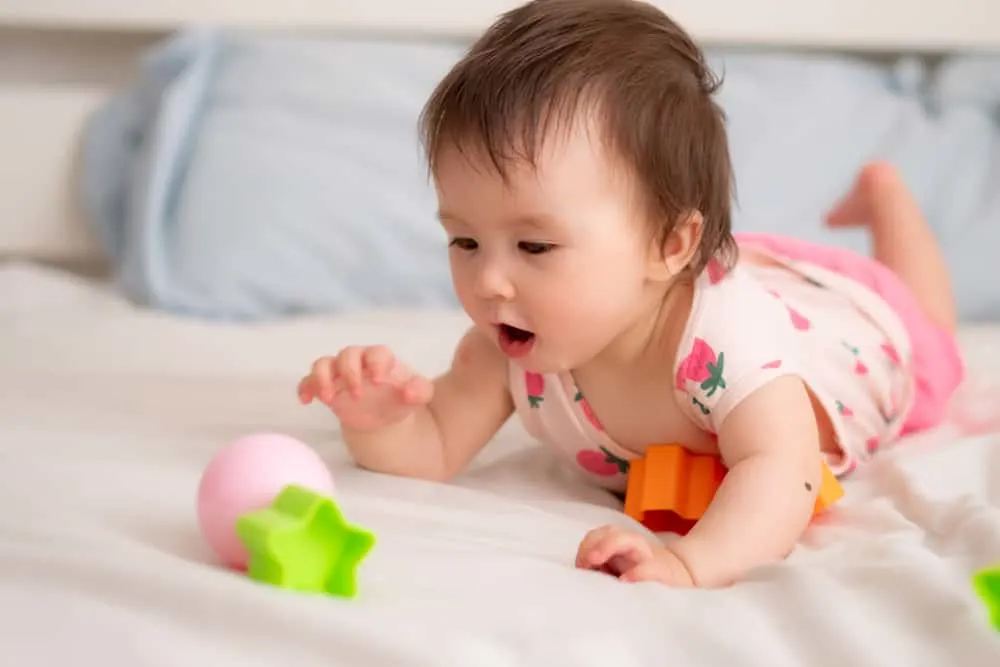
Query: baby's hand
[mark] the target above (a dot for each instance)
(366, 387)
(631, 556)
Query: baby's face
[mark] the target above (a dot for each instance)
(552, 263)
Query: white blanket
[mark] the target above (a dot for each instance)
(108, 414)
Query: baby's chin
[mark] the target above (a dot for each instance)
(541, 362)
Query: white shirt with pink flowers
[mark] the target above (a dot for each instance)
(748, 326)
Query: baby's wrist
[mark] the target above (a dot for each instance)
(689, 552)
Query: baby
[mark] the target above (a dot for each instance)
(584, 182)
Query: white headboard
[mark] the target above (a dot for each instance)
(60, 58)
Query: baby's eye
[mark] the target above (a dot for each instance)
(463, 243)
(535, 247)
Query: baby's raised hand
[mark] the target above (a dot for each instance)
(366, 387)
(631, 556)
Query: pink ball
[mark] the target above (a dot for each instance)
(247, 475)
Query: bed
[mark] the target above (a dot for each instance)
(111, 405)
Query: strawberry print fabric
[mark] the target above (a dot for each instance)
(769, 318)
(764, 319)
(555, 411)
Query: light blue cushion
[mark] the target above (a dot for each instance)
(801, 127)
(251, 176)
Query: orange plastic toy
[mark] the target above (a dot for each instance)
(671, 488)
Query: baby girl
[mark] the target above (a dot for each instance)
(584, 183)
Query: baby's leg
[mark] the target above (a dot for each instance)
(901, 237)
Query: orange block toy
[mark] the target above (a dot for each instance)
(670, 489)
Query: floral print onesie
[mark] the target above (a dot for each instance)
(768, 317)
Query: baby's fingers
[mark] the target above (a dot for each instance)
(378, 362)
(417, 390)
(618, 543)
(319, 383)
(591, 540)
(305, 390)
(348, 369)
(647, 570)
(664, 567)
(410, 387)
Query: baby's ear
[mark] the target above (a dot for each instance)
(671, 255)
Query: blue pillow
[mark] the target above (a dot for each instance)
(802, 125)
(249, 176)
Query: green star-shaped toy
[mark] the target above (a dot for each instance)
(302, 543)
(987, 586)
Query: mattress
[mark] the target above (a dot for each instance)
(109, 413)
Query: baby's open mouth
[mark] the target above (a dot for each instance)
(514, 341)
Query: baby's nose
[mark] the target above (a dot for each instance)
(493, 283)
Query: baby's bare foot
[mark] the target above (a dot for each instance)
(877, 194)
(901, 237)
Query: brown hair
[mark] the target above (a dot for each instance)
(538, 64)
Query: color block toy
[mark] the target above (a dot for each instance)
(986, 583)
(302, 543)
(670, 488)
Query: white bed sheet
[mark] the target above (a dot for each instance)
(108, 414)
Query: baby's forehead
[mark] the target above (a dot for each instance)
(532, 144)
(514, 218)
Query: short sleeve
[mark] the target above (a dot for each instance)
(738, 339)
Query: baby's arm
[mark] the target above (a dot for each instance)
(770, 443)
(470, 403)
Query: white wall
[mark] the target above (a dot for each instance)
(49, 82)
(879, 24)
